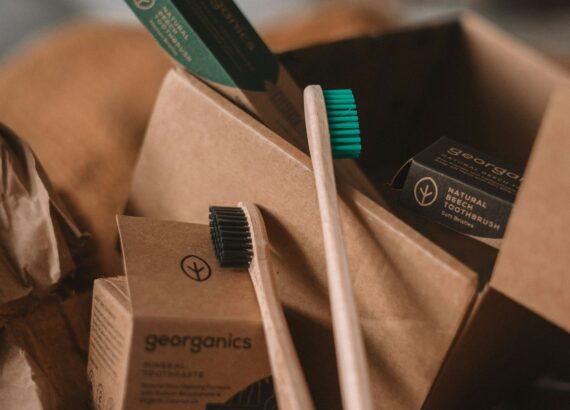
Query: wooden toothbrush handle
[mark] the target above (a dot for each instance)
(289, 380)
(349, 345)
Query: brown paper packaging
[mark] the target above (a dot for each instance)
(178, 332)
(43, 356)
(422, 290)
(39, 238)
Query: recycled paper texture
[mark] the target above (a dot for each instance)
(22, 386)
(43, 356)
(38, 236)
(178, 332)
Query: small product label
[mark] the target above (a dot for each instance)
(461, 188)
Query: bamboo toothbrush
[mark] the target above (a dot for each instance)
(333, 130)
(240, 240)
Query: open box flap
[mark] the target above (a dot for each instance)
(533, 267)
(501, 345)
(512, 86)
(201, 150)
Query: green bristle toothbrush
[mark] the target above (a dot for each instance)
(240, 240)
(333, 130)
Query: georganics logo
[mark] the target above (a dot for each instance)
(495, 169)
(144, 4)
(196, 344)
(425, 191)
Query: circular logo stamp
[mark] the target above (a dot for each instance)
(145, 4)
(196, 268)
(425, 191)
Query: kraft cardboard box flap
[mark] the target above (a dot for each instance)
(413, 296)
(176, 259)
(401, 280)
(533, 265)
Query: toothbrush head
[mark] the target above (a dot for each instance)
(343, 122)
(231, 237)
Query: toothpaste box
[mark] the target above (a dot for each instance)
(461, 188)
(213, 40)
(177, 331)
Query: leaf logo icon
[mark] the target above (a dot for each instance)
(145, 4)
(196, 268)
(425, 191)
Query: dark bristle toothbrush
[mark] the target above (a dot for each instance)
(333, 130)
(240, 240)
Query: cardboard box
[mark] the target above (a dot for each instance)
(178, 332)
(445, 318)
(461, 188)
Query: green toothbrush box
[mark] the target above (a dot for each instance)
(214, 41)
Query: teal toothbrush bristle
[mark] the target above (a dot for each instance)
(343, 123)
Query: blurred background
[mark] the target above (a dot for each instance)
(545, 24)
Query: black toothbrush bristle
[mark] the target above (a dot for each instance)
(231, 238)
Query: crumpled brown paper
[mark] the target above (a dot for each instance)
(22, 384)
(43, 356)
(37, 236)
